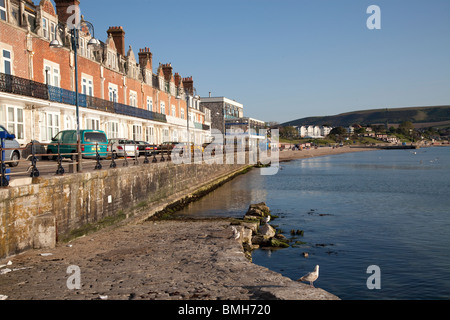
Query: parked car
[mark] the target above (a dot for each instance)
(91, 141)
(121, 146)
(169, 146)
(14, 154)
(144, 146)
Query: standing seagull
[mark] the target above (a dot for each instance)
(266, 219)
(236, 234)
(311, 276)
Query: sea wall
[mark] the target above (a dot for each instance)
(49, 210)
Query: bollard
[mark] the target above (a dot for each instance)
(60, 169)
(34, 171)
(98, 165)
(4, 181)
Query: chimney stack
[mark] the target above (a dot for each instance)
(177, 78)
(118, 35)
(145, 58)
(188, 85)
(61, 9)
(167, 70)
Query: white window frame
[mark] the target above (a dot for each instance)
(82, 47)
(49, 129)
(112, 59)
(165, 134)
(182, 113)
(162, 106)
(113, 89)
(54, 75)
(5, 60)
(92, 123)
(52, 31)
(133, 98)
(3, 10)
(174, 110)
(87, 85)
(137, 132)
(112, 129)
(149, 103)
(45, 28)
(150, 135)
(13, 123)
(174, 135)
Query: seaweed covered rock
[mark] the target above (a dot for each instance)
(258, 210)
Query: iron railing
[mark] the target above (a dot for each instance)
(92, 159)
(25, 87)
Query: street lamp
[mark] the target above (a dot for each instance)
(74, 32)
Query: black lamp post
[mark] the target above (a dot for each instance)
(75, 37)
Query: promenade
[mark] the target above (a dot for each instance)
(165, 259)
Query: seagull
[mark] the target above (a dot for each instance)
(236, 234)
(311, 276)
(266, 219)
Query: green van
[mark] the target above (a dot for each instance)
(90, 140)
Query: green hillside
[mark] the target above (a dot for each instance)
(420, 116)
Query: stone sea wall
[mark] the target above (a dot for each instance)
(40, 214)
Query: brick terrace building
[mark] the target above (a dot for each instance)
(119, 93)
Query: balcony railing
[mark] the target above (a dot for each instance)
(25, 87)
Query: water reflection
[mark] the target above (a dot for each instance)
(230, 200)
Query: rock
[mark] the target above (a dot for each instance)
(280, 236)
(258, 210)
(278, 243)
(267, 230)
(251, 224)
(261, 206)
(246, 236)
(260, 240)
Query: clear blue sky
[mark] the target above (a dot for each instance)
(289, 59)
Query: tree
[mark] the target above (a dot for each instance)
(406, 128)
(288, 132)
(338, 131)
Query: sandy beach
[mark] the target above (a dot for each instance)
(287, 155)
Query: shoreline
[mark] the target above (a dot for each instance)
(187, 259)
(289, 155)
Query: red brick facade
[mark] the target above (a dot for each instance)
(107, 66)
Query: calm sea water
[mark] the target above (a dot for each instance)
(385, 208)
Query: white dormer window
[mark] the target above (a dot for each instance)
(52, 31)
(112, 60)
(45, 32)
(2, 10)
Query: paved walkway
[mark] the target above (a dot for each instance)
(171, 259)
